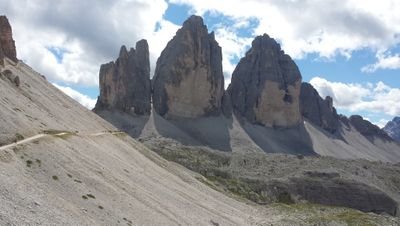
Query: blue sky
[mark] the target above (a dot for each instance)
(348, 51)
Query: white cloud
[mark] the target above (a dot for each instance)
(91, 33)
(84, 100)
(233, 47)
(353, 97)
(384, 62)
(326, 28)
(159, 39)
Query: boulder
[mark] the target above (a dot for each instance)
(266, 84)
(125, 84)
(317, 110)
(188, 80)
(7, 44)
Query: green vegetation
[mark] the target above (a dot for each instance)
(18, 137)
(129, 222)
(55, 177)
(59, 133)
(29, 163)
(91, 196)
(215, 168)
(285, 198)
(119, 134)
(78, 181)
(101, 207)
(84, 197)
(324, 215)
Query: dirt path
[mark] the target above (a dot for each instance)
(26, 140)
(41, 135)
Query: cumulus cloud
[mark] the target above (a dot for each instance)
(84, 100)
(385, 61)
(354, 97)
(322, 27)
(233, 48)
(89, 33)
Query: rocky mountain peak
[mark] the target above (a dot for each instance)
(396, 119)
(366, 128)
(317, 110)
(125, 83)
(188, 80)
(392, 128)
(7, 44)
(123, 52)
(265, 85)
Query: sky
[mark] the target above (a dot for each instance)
(348, 50)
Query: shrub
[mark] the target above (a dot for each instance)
(17, 81)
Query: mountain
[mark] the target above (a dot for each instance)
(265, 85)
(125, 83)
(62, 164)
(268, 137)
(392, 128)
(7, 44)
(188, 80)
(70, 167)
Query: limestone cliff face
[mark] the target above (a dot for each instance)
(7, 44)
(392, 128)
(265, 85)
(368, 129)
(317, 110)
(125, 84)
(188, 80)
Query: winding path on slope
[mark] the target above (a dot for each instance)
(42, 135)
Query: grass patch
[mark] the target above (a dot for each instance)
(84, 197)
(119, 134)
(59, 133)
(326, 215)
(18, 137)
(129, 222)
(285, 198)
(91, 196)
(54, 177)
(29, 163)
(215, 167)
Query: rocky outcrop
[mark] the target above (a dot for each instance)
(125, 84)
(367, 129)
(188, 80)
(317, 110)
(7, 44)
(392, 128)
(332, 190)
(265, 85)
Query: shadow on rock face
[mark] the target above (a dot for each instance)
(295, 140)
(212, 132)
(132, 125)
(335, 191)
